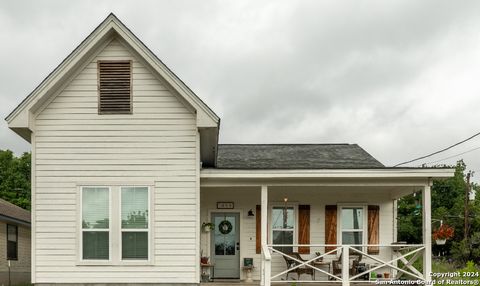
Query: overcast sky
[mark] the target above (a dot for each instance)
(400, 78)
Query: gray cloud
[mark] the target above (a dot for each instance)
(397, 77)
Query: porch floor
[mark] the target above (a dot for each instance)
(257, 283)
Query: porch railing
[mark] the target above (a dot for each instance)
(398, 259)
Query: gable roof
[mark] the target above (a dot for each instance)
(11, 212)
(19, 119)
(294, 156)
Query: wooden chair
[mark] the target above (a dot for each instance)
(337, 264)
(304, 269)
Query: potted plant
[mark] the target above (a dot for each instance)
(208, 226)
(443, 233)
(203, 259)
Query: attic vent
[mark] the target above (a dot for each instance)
(115, 87)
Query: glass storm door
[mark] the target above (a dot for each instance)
(226, 245)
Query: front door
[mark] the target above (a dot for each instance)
(225, 246)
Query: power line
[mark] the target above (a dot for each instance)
(453, 156)
(440, 151)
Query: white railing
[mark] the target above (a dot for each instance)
(340, 270)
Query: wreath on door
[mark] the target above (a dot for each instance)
(225, 227)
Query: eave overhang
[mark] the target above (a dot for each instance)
(325, 177)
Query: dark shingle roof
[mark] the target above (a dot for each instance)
(294, 156)
(14, 212)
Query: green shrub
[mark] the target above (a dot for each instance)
(470, 272)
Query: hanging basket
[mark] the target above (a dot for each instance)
(440, 241)
(207, 226)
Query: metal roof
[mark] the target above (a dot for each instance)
(294, 156)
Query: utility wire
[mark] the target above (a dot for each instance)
(440, 151)
(450, 157)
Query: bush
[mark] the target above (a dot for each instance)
(467, 250)
(470, 272)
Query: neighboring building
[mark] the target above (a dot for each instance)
(126, 167)
(14, 244)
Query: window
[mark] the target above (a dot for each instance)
(283, 227)
(12, 242)
(352, 223)
(115, 225)
(134, 222)
(95, 223)
(115, 87)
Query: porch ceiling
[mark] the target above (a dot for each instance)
(301, 192)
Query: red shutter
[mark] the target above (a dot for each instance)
(304, 228)
(330, 226)
(258, 236)
(373, 228)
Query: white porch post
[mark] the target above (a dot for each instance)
(345, 265)
(395, 233)
(264, 216)
(427, 231)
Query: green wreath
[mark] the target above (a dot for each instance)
(225, 227)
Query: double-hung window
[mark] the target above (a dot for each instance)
(283, 227)
(134, 209)
(115, 225)
(95, 223)
(352, 224)
(12, 242)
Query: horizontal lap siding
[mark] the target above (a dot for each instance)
(75, 145)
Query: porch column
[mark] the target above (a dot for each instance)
(427, 231)
(345, 265)
(264, 215)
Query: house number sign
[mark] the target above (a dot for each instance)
(224, 205)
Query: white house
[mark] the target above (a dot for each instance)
(126, 167)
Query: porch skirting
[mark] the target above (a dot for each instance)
(117, 284)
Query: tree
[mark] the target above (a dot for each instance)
(448, 206)
(15, 178)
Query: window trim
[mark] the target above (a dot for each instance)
(148, 230)
(115, 225)
(295, 225)
(340, 229)
(16, 242)
(110, 228)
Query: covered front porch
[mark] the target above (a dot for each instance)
(295, 226)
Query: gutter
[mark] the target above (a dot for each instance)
(13, 220)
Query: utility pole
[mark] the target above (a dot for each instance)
(467, 191)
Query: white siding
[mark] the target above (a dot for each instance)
(317, 197)
(156, 145)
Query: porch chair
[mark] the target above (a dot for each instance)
(353, 268)
(299, 270)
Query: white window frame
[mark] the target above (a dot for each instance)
(340, 229)
(295, 225)
(115, 235)
(147, 230)
(81, 229)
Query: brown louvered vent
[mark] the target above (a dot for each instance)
(115, 87)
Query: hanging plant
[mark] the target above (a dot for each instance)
(208, 226)
(443, 233)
